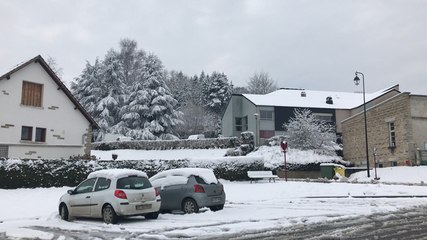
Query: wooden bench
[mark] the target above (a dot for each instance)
(255, 175)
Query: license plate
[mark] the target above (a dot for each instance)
(143, 207)
(216, 200)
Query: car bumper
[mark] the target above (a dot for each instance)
(203, 201)
(137, 208)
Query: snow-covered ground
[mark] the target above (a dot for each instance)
(31, 213)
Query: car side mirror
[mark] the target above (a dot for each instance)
(71, 192)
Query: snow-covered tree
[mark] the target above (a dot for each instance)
(112, 94)
(131, 60)
(150, 111)
(180, 86)
(196, 120)
(261, 83)
(216, 92)
(87, 87)
(305, 131)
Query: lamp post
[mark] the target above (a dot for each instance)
(256, 129)
(357, 81)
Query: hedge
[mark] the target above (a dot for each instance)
(57, 173)
(209, 143)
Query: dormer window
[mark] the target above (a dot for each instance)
(31, 94)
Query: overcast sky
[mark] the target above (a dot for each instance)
(312, 44)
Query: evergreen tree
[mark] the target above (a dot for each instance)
(216, 92)
(181, 87)
(112, 94)
(87, 87)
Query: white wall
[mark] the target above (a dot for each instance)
(65, 125)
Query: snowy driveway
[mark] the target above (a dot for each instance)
(250, 208)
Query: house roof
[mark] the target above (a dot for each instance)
(315, 99)
(61, 86)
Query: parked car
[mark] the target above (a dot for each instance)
(110, 194)
(189, 189)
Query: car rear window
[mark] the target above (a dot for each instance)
(133, 182)
(199, 180)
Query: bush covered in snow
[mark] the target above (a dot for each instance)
(246, 145)
(208, 143)
(56, 173)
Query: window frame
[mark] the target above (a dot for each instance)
(32, 94)
(264, 115)
(85, 184)
(391, 134)
(41, 138)
(100, 180)
(30, 131)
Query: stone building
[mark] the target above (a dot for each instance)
(397, 129)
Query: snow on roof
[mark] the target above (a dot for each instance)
(117, 173)
(314, 99)
(206, 174)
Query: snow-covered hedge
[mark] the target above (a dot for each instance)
(56, 173)
(229, 142)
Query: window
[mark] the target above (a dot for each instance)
(133, 183)
(31, 94)
(238, 123)
(27, 133)
(392, 135)
(40, 134)
(326, 117)
(86, 186)
(266, 115)
(241, 124)
(102, 184)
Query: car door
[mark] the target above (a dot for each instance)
(173, 194)
(80, 199)
(100, 195)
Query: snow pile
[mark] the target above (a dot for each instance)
(175, 154)
(274, 157)
(404, 174)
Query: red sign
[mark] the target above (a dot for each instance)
(284, 145)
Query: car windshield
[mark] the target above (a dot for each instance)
(133, 182)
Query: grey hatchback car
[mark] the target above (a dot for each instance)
(188, 190)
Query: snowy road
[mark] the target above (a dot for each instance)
(250, 210)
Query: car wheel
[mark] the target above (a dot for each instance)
(217, 208)
(63, 212)
(153, 215)
(190, 206)
(109, 215)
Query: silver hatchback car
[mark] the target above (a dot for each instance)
(110, 194)
(189, 189)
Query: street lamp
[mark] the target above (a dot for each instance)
(357, 81)
(256, 128)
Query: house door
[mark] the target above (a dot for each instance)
(4, 151)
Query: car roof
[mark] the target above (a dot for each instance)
(117, 173)
(206, 174)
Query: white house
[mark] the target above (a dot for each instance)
(39, 117)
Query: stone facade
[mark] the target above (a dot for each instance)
(395, 110)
